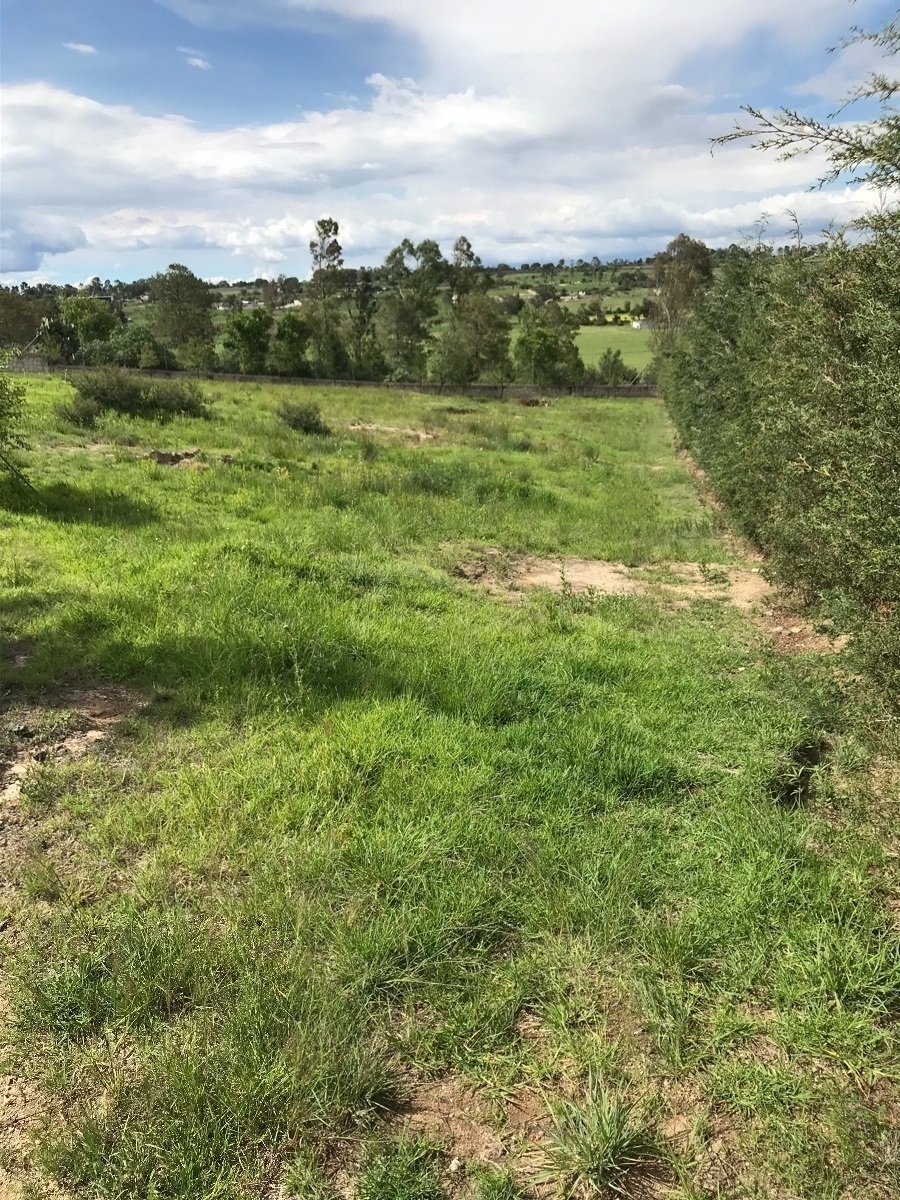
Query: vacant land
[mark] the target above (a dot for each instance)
(424, 810)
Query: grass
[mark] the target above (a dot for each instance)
(370, 819)
(593, 341)
(597, 1144)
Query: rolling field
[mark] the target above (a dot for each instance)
(341, 860)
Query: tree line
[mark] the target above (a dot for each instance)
(419, 315)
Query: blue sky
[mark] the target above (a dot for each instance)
(215, 132)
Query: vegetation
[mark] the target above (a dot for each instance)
(365, 827)
(12, 402)
(597, 1144)
(786, 387)
(419, 316)
(114, 390)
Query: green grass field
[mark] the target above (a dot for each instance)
(592, 341)
(387, 885)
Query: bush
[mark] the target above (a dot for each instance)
(81, 412)
(786, 388)
(114, 390)
(12, 403)
(304, 417)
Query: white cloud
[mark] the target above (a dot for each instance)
(537, 131)
(80, 47)
(195, 58)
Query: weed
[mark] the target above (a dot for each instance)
(598, 1143)
(406, 1170)
(304, 418)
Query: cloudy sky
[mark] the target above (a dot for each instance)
(216, 132)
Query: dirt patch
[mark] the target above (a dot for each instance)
(792, 634)
(744, 587)
(452, 1114)
(178, 458)
(677, 584)
(18, 653)
(420, 435)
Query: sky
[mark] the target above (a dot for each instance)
(137, 133)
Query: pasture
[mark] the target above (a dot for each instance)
(344, 860)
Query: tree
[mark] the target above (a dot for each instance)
(680, 273)
(183, 316)
(362, 307)
(413, 275)
(465, 266)
(862, 151)
(474, 344)
(247, 339)
(288, 353)
(20, 318)
(93, 320)
(323, 309)
(545, 352)
(611, 369)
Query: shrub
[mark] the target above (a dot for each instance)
(304, 417)
(12, 402)
(114, 390)
(80, 411)
(786, 388)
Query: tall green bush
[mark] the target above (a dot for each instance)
(786, 388)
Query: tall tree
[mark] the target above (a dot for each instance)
(680, 273)
(323, 309)
(465, 266)
(412, 275)
(362, 308)
(183, 315)
(474, 344)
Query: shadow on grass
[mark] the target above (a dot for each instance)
(70, 505)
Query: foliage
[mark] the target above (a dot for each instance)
(545, 352)
(786, 388)
(611, 368)
(20, 318)
(183, 312)
(12, 402)
(92, 319)
(246, 340)
(288, 346)
(305, 418)
(597, 1143)
(413, 274)
(474, 343)
(865, 151)
(114, 390)
(362, 338)
(130, 345)
(322, 312)
(680, 272)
